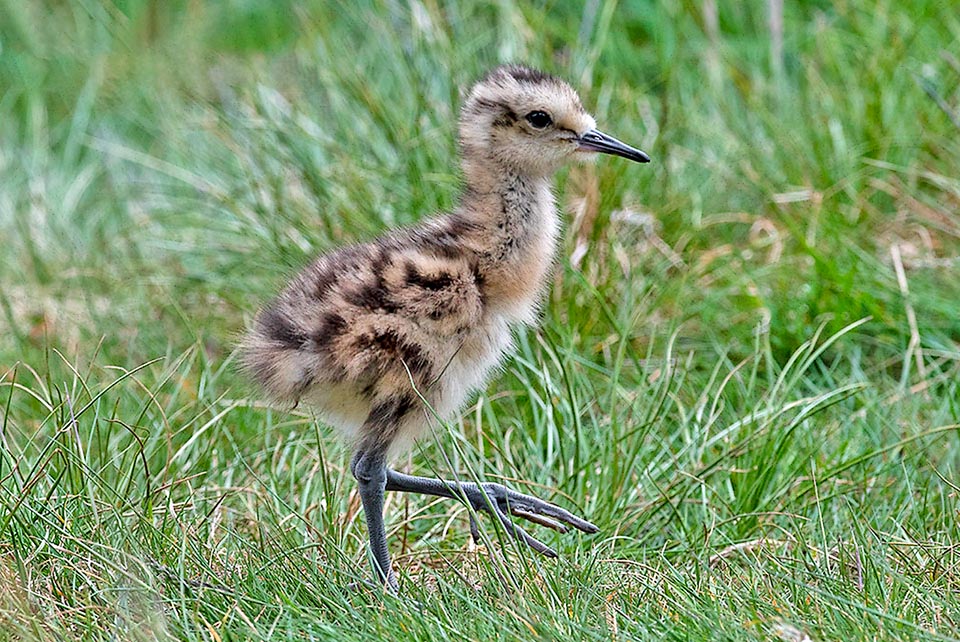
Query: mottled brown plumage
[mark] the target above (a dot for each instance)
(371, 334)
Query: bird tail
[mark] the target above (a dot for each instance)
(272, 354)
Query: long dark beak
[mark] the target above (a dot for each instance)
(597, 141)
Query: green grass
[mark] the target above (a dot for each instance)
(748, 373)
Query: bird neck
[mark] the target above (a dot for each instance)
(509, 205)
(517, 222)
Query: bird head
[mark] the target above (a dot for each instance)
(532, 123)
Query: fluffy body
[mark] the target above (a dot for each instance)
(424, 314)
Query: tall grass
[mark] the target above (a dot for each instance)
(747, 373)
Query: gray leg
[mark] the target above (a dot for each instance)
(499, 501)
(370, 469)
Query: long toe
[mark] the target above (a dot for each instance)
(539, 519)
(523, 536)
(526, 504)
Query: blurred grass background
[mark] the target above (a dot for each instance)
(747, 373)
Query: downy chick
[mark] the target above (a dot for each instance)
(369, 334)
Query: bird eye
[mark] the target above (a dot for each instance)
(539, 119)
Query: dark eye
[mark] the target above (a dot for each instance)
(539, 119)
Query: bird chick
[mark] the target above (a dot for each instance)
(379, 336)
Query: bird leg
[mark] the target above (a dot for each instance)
(499, 501)
(369, 467)
(374, 478)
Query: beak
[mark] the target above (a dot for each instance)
(597, 141)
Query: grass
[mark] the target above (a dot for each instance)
(747, 373)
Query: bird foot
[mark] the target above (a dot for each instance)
(503, 503)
